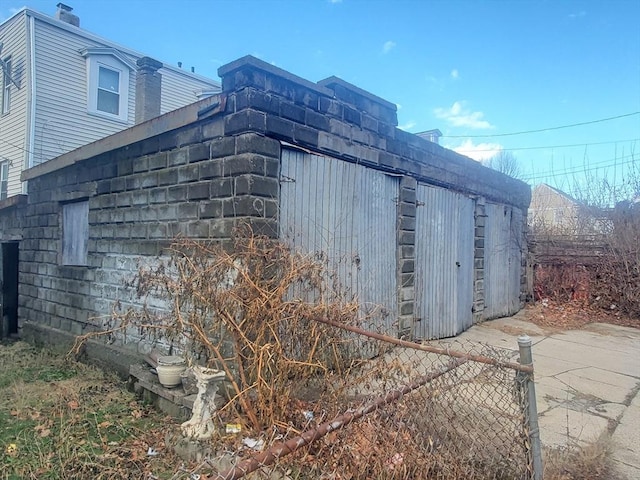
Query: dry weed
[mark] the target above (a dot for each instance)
(591, 462)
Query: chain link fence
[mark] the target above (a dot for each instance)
(445, 410)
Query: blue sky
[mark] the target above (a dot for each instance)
(474, 69)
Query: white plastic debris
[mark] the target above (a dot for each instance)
(308, 414)
(253, 444)
(152, 452)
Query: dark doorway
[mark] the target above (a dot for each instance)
(9, 320)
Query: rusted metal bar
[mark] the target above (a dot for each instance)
(428, 348)
(284, 448)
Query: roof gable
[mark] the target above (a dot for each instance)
(87, 52)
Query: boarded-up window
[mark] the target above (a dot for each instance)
(75, 233)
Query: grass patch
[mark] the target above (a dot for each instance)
(65, 420)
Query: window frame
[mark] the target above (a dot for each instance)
(6, 86)
(4, 180)
(75, 234)
(113, 63)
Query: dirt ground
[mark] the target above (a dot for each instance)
(574, 315)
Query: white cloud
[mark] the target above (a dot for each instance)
(455, 74)
(480, 152)
(407, 126)
(398, 106)
(581, 13)
(459, 116)
(335, 1)
(388, 46)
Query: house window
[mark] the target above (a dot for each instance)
(107, 83)
(6, 86)
(75, 233)
(108, 100)
(4, 179)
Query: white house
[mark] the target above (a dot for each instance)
(554, 212)
(64, 87)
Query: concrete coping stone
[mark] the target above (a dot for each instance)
(332, 81)
(257, 64)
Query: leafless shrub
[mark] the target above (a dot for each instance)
(248, 310)
(600, 230)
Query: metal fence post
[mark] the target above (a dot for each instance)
(531, 409)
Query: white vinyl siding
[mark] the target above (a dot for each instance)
(63, 121)
(179, 90)
(75, 233)
(13, 126)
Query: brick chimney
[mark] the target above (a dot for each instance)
(148, 89)
(64, 14)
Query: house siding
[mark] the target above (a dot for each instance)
(62, 105)
(13, 126)
(179, 89)
(62, 121)
(61, 118)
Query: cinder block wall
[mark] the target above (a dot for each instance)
(194, 182)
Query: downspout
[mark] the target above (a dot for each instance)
(31, 100)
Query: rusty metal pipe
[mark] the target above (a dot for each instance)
(428, 348)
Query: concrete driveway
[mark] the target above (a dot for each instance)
(587, 383)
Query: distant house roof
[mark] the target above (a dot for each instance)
(557, 191)
(431, 135)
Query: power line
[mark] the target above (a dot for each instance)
(549, 146)
(15, 146)
(544, 129)
(614, 162)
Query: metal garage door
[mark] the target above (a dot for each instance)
(444, 262)
(346, 213)
(503, 260)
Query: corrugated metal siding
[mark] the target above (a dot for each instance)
(13, 126)
(444, 262)
(503, 257)
(346, 213)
